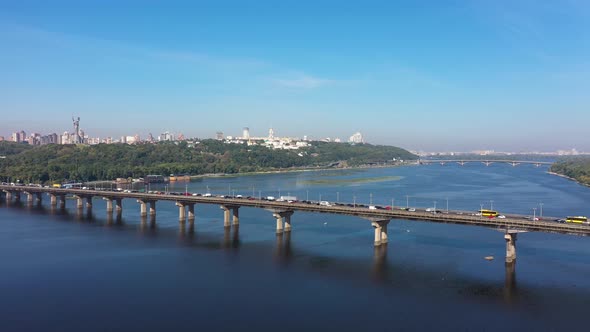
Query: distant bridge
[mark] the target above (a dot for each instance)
(282, 211)
(486, 162)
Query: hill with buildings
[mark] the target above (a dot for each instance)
(55, 162)
(575, 168)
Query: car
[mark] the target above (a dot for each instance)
(535, 219)
(196, 194)
(239, 196)
(501, 216)
(207, 195)
(411, 210)
(372, 207)
(388, 208)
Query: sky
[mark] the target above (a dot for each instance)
(423, 75)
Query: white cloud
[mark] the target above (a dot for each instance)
(303, 81)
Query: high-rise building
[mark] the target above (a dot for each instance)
(219, 135)
(271, 134)
(246, 133)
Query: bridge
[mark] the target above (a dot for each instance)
(486, 162)
(283, 211)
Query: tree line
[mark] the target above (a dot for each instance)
(576, 168)
(56, 163)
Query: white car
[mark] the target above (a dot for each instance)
(412, 210)
(501, 216)
(207, 195)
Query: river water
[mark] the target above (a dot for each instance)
(70, 271)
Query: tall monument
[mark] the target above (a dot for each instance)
(77, 138)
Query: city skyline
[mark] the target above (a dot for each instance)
(434, 77)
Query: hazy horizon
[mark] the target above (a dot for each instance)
(429, 76)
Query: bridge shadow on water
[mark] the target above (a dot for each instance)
(380, 268)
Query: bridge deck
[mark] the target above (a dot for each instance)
(457, 217)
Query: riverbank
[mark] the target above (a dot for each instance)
(569, 178)
(300, 169)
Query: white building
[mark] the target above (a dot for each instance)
(356, 138)
(246, 133)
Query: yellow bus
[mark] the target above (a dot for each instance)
(56, 185)
(577, 219)
(488, 213)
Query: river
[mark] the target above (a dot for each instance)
(68, 271)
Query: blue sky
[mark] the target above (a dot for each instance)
(430, 75)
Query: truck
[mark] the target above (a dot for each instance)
(270, 198)
(287, 199)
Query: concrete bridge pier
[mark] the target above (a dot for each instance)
(109, 205)
(181, 212)
(16, 195)
(191, 212)
(52, 200)
(510, 238)
(8, 196)
(231, 213)
(30, 197)
(380, 227)
(79, 202)
(62, 201)
(89, 202)
(142, 208)
(153, 210)
(119, 205)
(280, 216)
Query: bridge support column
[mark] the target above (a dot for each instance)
(16, 195)
(142, 208)
(8, 196)
(191, 212)
(152, 208)
(79, 202)
(283, 218)
(29, 198)
(53, 200)
(279, 218)
(226, 215)
(89, 202)
(287, 216)
(181, 212)
(119, 205)
(109, 204)
(62, 201)
(380, 227)
(510, 246)
(236, 213)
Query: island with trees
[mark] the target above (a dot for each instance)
(57, 163)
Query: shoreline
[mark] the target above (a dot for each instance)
(568, 178)
(281, 171)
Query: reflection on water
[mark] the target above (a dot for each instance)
(510, 290)
(380, 263)
(283, 252)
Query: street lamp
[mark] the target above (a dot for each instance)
(480, 211)
(541, 210)
(434, 208)
(447, 205)
(407, 201)
(392, 201)
(371, 199)
(307, 195)
(337, 197)
(534, 213)
(353, 200)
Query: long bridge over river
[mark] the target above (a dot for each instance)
(486, 162)
(283, 211)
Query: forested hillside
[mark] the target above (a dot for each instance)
(108, 161)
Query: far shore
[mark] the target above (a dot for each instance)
(294, 170)
(569, 178)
